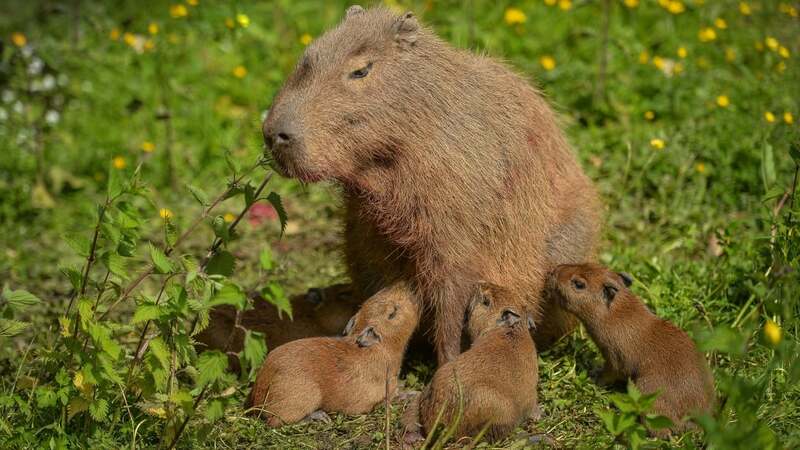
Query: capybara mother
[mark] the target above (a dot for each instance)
(452, 167)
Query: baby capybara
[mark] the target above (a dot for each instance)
(346, 374)
(319, 312)
(636, 344)
(493, 383)
(452, 166)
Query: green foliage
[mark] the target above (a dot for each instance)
(633, 417)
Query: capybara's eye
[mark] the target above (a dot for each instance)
(362, 72)
(486, 302)
(578, 283)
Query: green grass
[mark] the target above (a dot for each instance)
(713, 186)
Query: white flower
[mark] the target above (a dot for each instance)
(52, 117)
(35, 67)
(48, 82)
(27, 51)
(18, 107)
(8, 96)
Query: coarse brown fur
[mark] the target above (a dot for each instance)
(346, 374)
(636, 344)
(453, 168)
(493, 384)
(320, 312)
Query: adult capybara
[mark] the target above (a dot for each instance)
(493, 384)
(348, 374)
(319, 312)
(452, 167)
(636, 344)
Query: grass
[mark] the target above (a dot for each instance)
(687, 138)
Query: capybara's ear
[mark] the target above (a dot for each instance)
(626, 278)
(349, 327)
(609, 292)
(509, 318)
(531, 323)
(368, 337)
(405, 29)
(353, 10)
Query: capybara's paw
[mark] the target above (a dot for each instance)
(536, 414)
(412, 439)
(318, 416)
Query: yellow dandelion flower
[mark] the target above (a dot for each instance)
(192, 2)
(565, 5)
(682, 52)
(114, 34)
(148, 147)
(129, 39)
(723, 101)
(152, 28)
(631, 3)
(547, 62)
(676, 7)
(783, 51)
(228, 217)
(657, 144)
(550, 2)
(243, 20)
(165, 213)
(240, 71)
(720, 23)
(772, 332)
(19, 39)
(744, 8)
(644, 57)
(730, 54)
(658, 62)
(707, 34)
(119, 162)
(787, 117)
(177, 11)
(772, 43)
(769, 117)
(649, 115)
(792, 11)
(700, 167)
(230, 23)
(514, 16)
(306, 39)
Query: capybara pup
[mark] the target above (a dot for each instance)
(345, 374)
(636, 344)
(493, 383)
(452, 166)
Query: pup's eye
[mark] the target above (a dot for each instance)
(486, 301)
(362, 72)
(578, 284)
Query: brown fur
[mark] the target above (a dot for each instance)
(452, 167)
(495, 380)
(338, 374)
(636, 344)
(318, 313)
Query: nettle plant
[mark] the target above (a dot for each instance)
(123, 357)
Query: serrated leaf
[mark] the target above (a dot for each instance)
(277, 203)
(20, 298)
(656, 421)
(229, 294)
(160, 351)
(221, 229)
(274, 294)
(11, 327)
(222, 263)
(98, 409)
(76, 406)
(211, 367)
(198, 194)
(233, 164)
(79, 244)
(160, 260)
(73, 275)
(146, 312)
(45, 397)
(171, 233)
(111, 232)
(102, 338)
(85, 311)
(115, 184)
(116, 264)
(255, 349)
(215, 410)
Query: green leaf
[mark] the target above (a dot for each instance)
(171, 233)
(275, 295)
(633, 391)
(794, 152)
(222, 263)
(115, 184)
(723, 339)
(98, 409)
(101, 336)
(73, 275)
(85, 311)
(656, 421)
(45, 397)
(116, 264)
(79, 244)
(249, 194)
(277, 203)
(215, 410)
(198, 194)
(767, 167)
(229, 294)
(265, 258)
(20, 298)
(221, 229)
(146, 312)
(160, 351)
(160, 260)
(10, 327)
(255, 349)
(232, 162)
(211, 367)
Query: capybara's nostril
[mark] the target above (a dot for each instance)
(283, 138)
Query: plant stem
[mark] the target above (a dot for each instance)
(91, 258)
(182, 426)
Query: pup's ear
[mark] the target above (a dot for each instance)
(531, 324)
(349, 327)
(353, 11)
(609, 292)
(626, 278)
(405, 30)
(509, 318)
(368, 337)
